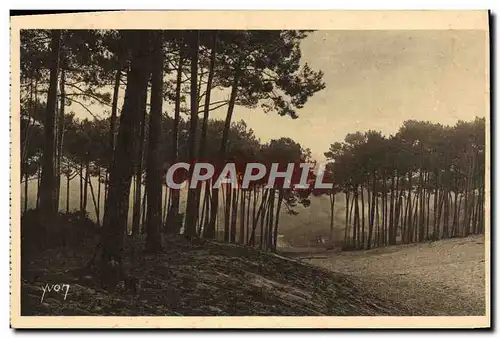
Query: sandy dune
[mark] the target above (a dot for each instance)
(440, 278)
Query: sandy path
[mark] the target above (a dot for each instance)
(438, 278)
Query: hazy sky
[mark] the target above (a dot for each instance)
(378, 79)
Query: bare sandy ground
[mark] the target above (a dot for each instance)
(438, 278)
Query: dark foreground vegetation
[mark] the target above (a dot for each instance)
(203, 278)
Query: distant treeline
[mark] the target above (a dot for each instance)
(427, 182)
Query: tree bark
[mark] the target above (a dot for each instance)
(60, 136)
(192, 199)
(225, 136)
(154, 185)
(372, 212)
(117, 203)
(136, 213)
(173, 211)
(210, 228)
(47, 184)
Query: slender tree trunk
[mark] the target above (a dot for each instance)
(39, 174)
(60, 137)
(362, 217)
(210, 229)
(144, 217)
(356, 218)
(136, 212)
(166, 205)
(207, 231)
(346, 231)
(112, 126)
(256, 218)
(94, 200)
(175, 193)
(391, 212)
(225, 136)
(262, 220)
(192, 199)
(372, 212)
(270, 223)
(26, 178)
(332, 214)
(81, 187)
(248, 216)
(277, 221)
(154, 174)
(377, 217)
(67, 192)
(455, 214)
(234, 214)
(428, 205)
(227, 213)
(242, 217)
(47, 185)
(384, 211)
(395, 217)
(98, 211)
(117, 203)
(409, 202)
(85, 188)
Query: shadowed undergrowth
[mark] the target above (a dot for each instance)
(195, 279)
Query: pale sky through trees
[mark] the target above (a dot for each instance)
(377, 80)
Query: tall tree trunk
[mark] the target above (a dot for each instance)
(270, 223)
(208, 232)
(112, 126)
(26, 178)
(192, 200)
(227, 213)
(60, 136)
(391, 212)
(384, 210)
(234, 214)
(372, 211)
(67, 191)
(47, 185)
(332, 214)
(154, 185)
(247, 231)
(346, 230)
(356, 218)
(210, 228)
(262, 220)
(38, 176)
(81, 186)
(277, 221)
(377, 217)
(242, 216)
(409, 214)
(175, 193)
(120, 175)
(255, 220)
(225, 135)
(85, 188)
(144, 217)
(98, 196)
(136, 213)
(428, 205)
(166, 198)
(455, 213)
(362, 217)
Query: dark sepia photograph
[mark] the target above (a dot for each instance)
(226, 172)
